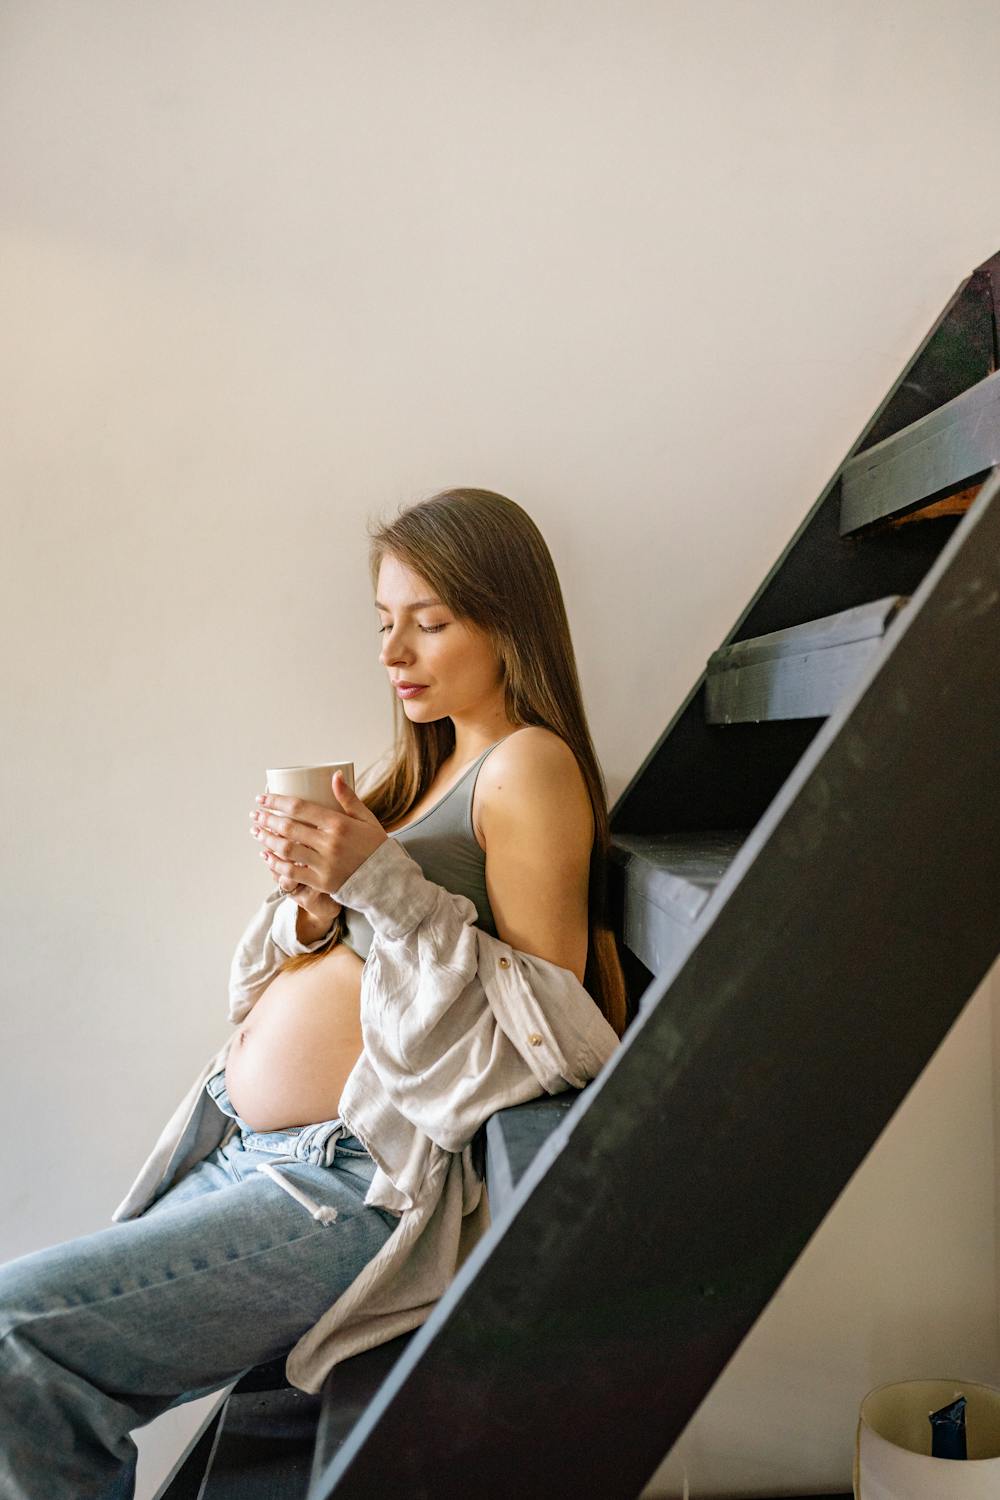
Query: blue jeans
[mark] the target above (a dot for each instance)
(224, 1271)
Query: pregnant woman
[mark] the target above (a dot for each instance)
(434, 951)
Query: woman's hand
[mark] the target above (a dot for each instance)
(317, 847)
(322, 909)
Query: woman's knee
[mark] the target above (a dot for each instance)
(33, 1285)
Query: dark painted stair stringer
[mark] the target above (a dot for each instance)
(660, 1217)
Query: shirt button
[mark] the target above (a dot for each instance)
(535, 1039)
(505, 963)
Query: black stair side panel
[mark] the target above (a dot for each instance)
(989, 271)
(699, 775)
(347, 1391)
(661, 1217)
(264, 1446)
(185, 1479)
(958, 353)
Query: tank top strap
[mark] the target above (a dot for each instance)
(468, 781)
(443, 842)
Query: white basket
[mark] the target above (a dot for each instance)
(892, 1454)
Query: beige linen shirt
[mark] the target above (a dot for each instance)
(456, 1025)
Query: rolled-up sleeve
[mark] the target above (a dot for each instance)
(268, 940)
(283, 933)
(456, 1023)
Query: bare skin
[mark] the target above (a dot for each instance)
(531, 814)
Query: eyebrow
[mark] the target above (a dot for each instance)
(417, 604)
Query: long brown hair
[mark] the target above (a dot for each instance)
(488, 563)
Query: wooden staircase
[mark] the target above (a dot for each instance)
(806, 876)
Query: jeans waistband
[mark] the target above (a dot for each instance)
(315, 1144)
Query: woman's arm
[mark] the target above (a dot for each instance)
(537, 826)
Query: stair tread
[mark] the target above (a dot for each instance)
(514, 1137)
(677, 872)
(859, 623)
(802, 671)
(942, 450)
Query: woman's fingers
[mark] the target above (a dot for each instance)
(296, 854)
(332, 852)
(288, 837)
(284, 869)
(284, 856)
(311, 813)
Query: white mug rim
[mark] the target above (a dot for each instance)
(312, 765)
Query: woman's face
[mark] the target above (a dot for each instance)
(425, 642)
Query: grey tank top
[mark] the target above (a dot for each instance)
(444, 845)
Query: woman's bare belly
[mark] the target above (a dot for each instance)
(290, 1061)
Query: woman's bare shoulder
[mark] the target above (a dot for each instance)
(534, 773)
(534, 746)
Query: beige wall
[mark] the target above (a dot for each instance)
(268, 270)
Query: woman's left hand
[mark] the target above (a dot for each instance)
(317, 846)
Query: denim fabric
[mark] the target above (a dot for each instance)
(224, 1271)
(316, 1144)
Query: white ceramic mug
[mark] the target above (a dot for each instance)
(311, 783)
(892, 1456)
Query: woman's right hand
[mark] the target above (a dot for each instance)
(317, 912)
(320, 908)
(316, 904)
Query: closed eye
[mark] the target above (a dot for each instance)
(427, 629)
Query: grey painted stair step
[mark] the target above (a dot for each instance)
(801, 672)
(943, 450)
(514, 1138)
(668, 880)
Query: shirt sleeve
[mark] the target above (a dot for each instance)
(456, 1023)
(283, 930)
(268, 940)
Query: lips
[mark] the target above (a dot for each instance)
(409, 689)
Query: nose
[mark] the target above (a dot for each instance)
(393, 649)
